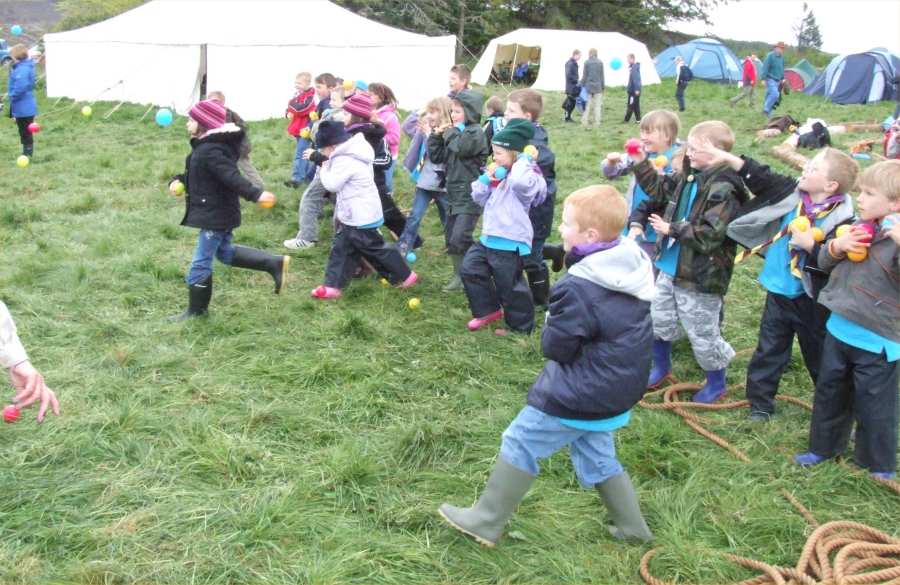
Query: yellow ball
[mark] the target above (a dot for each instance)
(267, 203)
(304, 133)
(348, 85)
(414, 303)
(800, 224)
(661, 161)
(314, 116)
(842, 230)
(491, 168)
(817, 234)
(857, 256)
(86, 111)
(22, 161)
(178, 188)
(385, 282)
(531, 150)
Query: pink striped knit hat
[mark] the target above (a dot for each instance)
(359, 104)
(209, 114)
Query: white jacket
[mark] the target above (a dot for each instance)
(348, 174)
(11, 351)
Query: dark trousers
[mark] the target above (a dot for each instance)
(634, 105)
(679, 95)
(494, 279)
(783, 318)
(569, 104)
(25, 137)
(855, 384)
(394, 219)
(458, 232)
(352, 243)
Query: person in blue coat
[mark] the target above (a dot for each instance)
(634, 90)
(22, 105)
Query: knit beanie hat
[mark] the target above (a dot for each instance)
(359, 104)
(515, 135)
(209, 114)
(331, 133)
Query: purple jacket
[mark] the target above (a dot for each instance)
(506, 205)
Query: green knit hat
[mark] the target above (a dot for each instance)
(515, 135)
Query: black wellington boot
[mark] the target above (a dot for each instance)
(255, 259)
(539, 282)
(198, 301)
(556, 254)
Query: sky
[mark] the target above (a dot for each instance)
(847, 26)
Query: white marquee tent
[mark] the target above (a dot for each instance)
(251, 50)
(552, 48)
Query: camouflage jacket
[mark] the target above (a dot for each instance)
(706, 257)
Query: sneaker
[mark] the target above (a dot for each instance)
(884, 475)
(325, 292)
(298, 244)
(760, 416)
(479, 322)
(809, 459)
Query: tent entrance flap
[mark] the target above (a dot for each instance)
(516, 63)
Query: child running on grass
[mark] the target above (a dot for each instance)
(346, 161)
(213, 185)
(597, 342)
(492, 271)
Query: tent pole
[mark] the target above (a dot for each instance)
(512, 70)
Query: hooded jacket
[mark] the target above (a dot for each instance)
(213, 183)
(706, 257)
(634, 78)
(542, 214)
(388, 116)
(21, 90)
(348, 174)
(374, 135)
(463, 153)
(598, 336)
(506, 205)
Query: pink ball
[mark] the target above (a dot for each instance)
(11, 413)
(633, 146)
(34, 127)
(868, 228)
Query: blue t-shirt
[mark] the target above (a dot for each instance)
(858, 336)
(668, 259)
(775, 275)
(374, 224)
(604, 424)
(505, 244)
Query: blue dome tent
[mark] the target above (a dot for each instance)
(863, 78)
(708, 59)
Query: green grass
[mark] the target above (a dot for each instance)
(286, 440)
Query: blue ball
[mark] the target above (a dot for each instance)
(16, 30)
(410, 257)
(164, 117)
(500, 173)
(616, 63)
(484, 179)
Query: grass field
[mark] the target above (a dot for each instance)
(286, 440)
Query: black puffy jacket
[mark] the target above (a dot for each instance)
(213, 183)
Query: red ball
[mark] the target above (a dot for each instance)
(11, 413)
(868, 228)
(633, 146)
(34, 127)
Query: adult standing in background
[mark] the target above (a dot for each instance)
(772, 73)
(593, 81)
(683, 76)
(571, 84)
(22, 105)
(634, 90)
(748, 81)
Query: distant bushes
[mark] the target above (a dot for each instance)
(79, 13)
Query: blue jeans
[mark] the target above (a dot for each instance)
(420, 205)
(389, 176)
(771, 95)
(210, 244)
(536, 435)
(301, 169)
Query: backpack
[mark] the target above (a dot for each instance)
(818, 137)
(782, 123)
(686, 74)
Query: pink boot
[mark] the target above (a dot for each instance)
(412, 279)
(326, 292)
(479, 322)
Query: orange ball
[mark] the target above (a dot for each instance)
(817, 234)
(267, 203)
(857, 256)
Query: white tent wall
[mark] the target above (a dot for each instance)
(556, 48)
(255, 48)
(146, 74)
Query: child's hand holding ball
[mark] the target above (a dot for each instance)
(266, 200)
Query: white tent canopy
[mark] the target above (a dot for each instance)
(249, 49)
(554, 47)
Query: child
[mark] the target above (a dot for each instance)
(461, 148)
(346, 170)
(892, 141)
(244, 164)
(385, 105)
(430, 177)
(299, 108)
(22, 105)
(683, 76)
(659, 137)
(325, 84)
(213, 185)
(27, 382)
(459, 78)
(492, 269)
(528, 104)
(859, 373)
(359, 113)
(495, 120)
(633, 90)
(789, 274)
(695, 258)
(313, 199)
(597, 341)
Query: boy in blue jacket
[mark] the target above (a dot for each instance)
(22, 105)
(597, 341)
